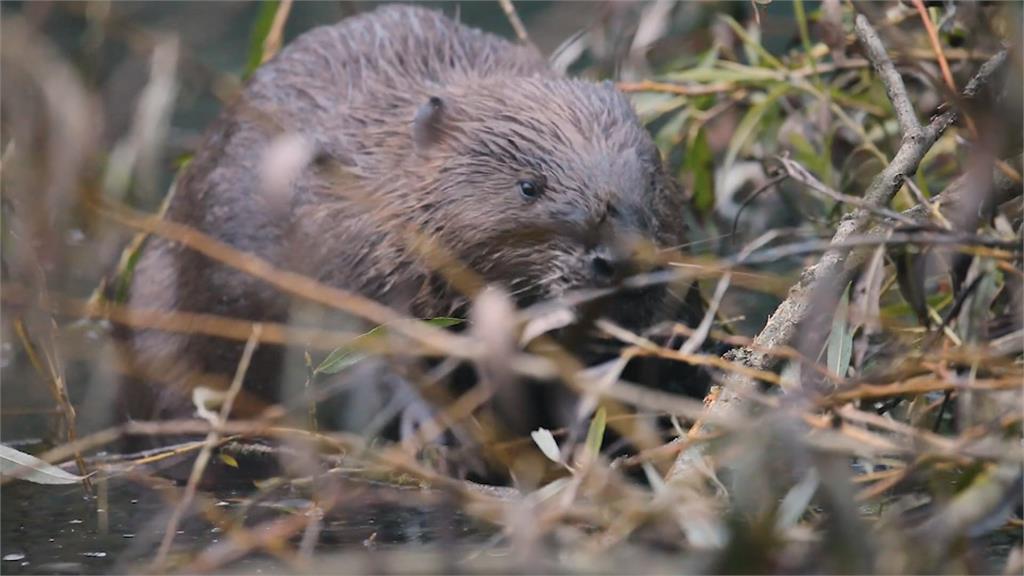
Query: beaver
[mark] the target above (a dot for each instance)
(535, 182)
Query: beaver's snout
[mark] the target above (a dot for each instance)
(611, 265)
(604, 267)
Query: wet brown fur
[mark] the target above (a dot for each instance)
(354, 90)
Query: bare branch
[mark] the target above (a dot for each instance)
(513, 19)
(272, 43)
(883, 65)
(212, 439)
(797, 172)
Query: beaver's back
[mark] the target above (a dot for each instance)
(336, 82)
(349, 89)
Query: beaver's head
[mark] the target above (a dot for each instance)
(543, 185)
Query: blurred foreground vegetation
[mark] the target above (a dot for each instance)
(867, 420)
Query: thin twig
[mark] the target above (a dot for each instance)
(295, 283)
(797, 172)
(774, 181)
(700, 334)
(212, 438)
(677, 89)
(933, 38)
(272, 43)
(205, 324)
(513, 19)
(57, 388)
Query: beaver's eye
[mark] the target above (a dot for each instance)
(530, 189)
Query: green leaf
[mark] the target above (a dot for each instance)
(708, 58)
(124, 280)
(910, 276)
(801, 20)
(595, 435)
(805, 153)
(228, 459)
(752, 43)
(260, 29)
(182, 161)
(751, 122)
(699, 163)
(840, 341)
(652, 105)
(901, 308)
(27, 467)
(669, 135)
(726, 72)
(973, 320)
(444, 321)
(346, 356)
(338, 360)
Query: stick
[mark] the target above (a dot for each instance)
(933, 39)
(212, 438)
(513, 19)
(883, 65)
(272, 43)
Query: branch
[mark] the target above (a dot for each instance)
(272, 42)
(212, 440)
(836, 264)
(797, 172)
(933, 39)
(883, 65)
(514, 21)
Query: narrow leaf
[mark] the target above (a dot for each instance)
(260, 28)
(444, 321)
(752, 43)
(228, 459)
(733, 73)
(654, 478)
(973, 321)
(699, 162)
(345, 356)
(910, 276)
(338, 360)
(797, 500)
(595, 435)
(27, 467)
(751, 122)
(652, 105)
(546, 442)
(669, 135)
(840, 342)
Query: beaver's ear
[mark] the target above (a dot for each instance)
(428, 124)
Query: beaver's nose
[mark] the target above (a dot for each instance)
(603, 268)
(606, 266)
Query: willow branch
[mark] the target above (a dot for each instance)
(891, 78)
(836, 264)
(514, 21)
(212, 440)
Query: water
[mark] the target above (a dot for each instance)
(60, 530)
